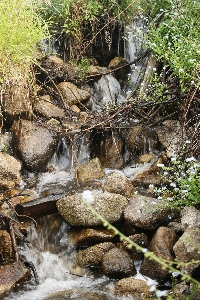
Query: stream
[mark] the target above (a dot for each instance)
(50, 250)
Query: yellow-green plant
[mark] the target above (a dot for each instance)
(21, 30)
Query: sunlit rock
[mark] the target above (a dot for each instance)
(135, 287)
(71, 93)
(93, 256)
(13, 275)
(145, 158)
(162, 246)
(118, 183)
(120, 67)
(147, 212)
(10, 169)
(186, 250)
(6, 246)
(139, 239)
(90, 170)
(108, 205)
(34, 144)
(16, 102)
(117, 263)
(88, 236)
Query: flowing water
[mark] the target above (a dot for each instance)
(50, 249)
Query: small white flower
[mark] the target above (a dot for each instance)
(190, 159)
(166, 173)
(154, 69)
(170, 199)
(151, 186)
(154, 202)
(187, 142)
(160, 165)
(173, 184)
(144, 250)
(159, 198)
(87, 196)
(181, 70)
(173, 159)
(175, 274)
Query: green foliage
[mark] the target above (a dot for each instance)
(20, 31)
(173, 35)
(182, 178)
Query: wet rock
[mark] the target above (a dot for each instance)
(93, 256)
(71, 94)
(109, 150)
(147, 212)
(90, 170)
(186, 250)
(76, 213)
(121, 67)
(117, 263)
(140, 141)
(6, 246)
(89, 237)
(13, 275)
(35, 144)
(170, 136)
(10, 169)
(141, 240)
(190, 216)
(45, 108)
(16, 196)
(162, 246)
(16, 102)
(135, 287)
(118, 183)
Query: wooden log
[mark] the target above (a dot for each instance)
(38, 207)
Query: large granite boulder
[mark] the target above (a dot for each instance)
(117, 263)
(93, 256)
(147, 212)
(137, 288)
(76, 213)
(186, 250)
(162, 246)
(118, 183)
(10, 169)
(34, 144)
(141, 240)
(13, 275)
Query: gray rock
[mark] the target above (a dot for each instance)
(162, 246)
(9, 171)
(170, 136)
(190, 217)
(118, 183)
(47, 109)
(117, 263)
(187, 249)
(6, 246)
(76, 213)
(34, 143)
(93, 256)
(147, 212)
